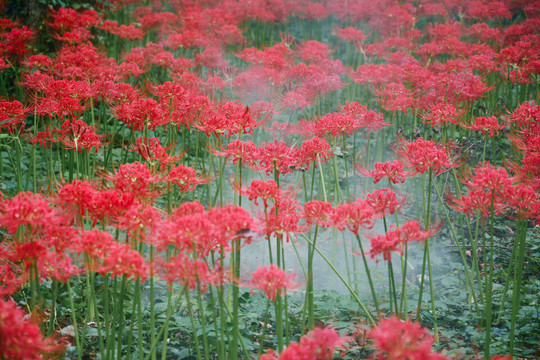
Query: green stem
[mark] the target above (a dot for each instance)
(368, 273)
(351, 290)
(489, 283)
(516, 293)
(74, 319)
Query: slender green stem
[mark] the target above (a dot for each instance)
(74, 319)
(516, 293)
(368, 273)
(489, 282)
(351, 290)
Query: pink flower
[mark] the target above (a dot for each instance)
(403, 340)
(272, 280)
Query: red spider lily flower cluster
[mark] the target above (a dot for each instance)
(395, 239)
(12, 115)
(191, 229)
(492, 189)
(361, 213)
(425, 155)
(107, 256)
(20, 337)
(485, 125)
(272, 280)
(525, 135)
(319, 343)
(394, 171)
(396, 339)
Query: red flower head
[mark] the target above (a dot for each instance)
(21, 338)
(441, 113)
(313, 150)
(319, 344)
(393, 240)
(424, 155)
(135, 178)
(485, 125)
(384, 201)
(353, 216)
(12, 115)
(318, 212)
(400, 340)
(265, 190)
(394, 171)
(272, 280)
(185, 178)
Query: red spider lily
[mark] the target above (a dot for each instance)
(526, 116)
(397, 340)
(293, 100)
(190, 232)
(272, 280)
(524, 201)
(230, 223)
(187, 272)
(364, 118)
(351, 34)
(109, 204)
(29, 210)
(384, 201)
(125, 32)
(191, 229)
(138, 220)
(78, 135)
(152, 151)
(185, 178)
(395, 96)
(312, 151)
(75, 36)
(14, 42)
(265, 190)
(108, 256)
(65, 19)
(40, 255)
(21, 337)
(121, 260)
(318, 212)
(335, 124)
(140, 114)
(168, 92)
(135, 178)
(211, 57)
(232, 118)
(441, 113)
(3, 64)
(488, 178)
(189, 208)
(488, 188)
(319, 343)
(393, 240)
(237, 150)
(485, 125)
(76, 198)
(424, 155)
(482, 9)
(12, 278)
(276, 156)
(282, 218)
(12, 114)
(353, 216)
(117, 92)
(394, 171)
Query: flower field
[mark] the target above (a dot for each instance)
(269, 179)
